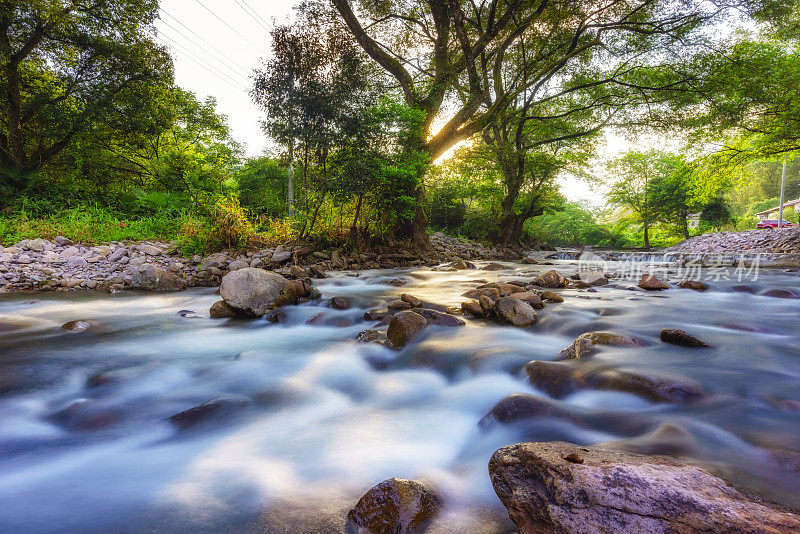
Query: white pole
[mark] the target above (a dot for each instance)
(783, 190)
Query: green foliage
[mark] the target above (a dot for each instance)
(571, 225)
(90, 224)
(716, 213)
(72, 70)
(262, 186)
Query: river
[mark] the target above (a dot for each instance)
(85, 444)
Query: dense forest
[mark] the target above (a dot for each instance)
(393, 120)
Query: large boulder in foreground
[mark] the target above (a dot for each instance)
(256, 291)
(394, 506)
(560, 487)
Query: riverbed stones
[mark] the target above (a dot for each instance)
(473, 308)
(586, 344)
(369, 336)
(650, 282)
(155, 278)
(531, 298)
(399, 305)
(395, 506)
(376, 314)
(404, 327)
(551, 279)
(77, 262)
(561, 378)
(221, 310)
(494, 266)
(781, 294)
(491, 292)
(676, 336)
(79, 325)
(256, 291)
(515, 312)
(695, 285)
(519, 406)
(411, 299)
(668, 439)
(437, 318)
(551, 296)
(561, 487)
(340, 303)
(221, 406)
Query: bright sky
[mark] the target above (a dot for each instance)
(216, 44)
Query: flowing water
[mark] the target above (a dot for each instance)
(85, 444)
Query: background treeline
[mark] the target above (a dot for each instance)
(392, 120)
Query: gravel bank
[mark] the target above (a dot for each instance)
(61, 265)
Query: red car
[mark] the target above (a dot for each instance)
(769, 224)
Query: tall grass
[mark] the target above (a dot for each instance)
(88, 224)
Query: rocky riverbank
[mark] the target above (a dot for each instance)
(61, 265)
(783, 241)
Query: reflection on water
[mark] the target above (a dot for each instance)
(85, 445)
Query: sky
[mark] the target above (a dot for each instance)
(216, 44)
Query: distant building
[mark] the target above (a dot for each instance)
(772, 213)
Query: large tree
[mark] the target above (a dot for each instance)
(313, 89)
(634, 174)
(452, 52)
(68, 67)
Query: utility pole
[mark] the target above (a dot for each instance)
(783, 190)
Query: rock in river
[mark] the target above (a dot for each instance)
(679, 337)
(551, 279)
(395, 506)
(560, 378)
(256, 291)
(585, 344)
(560, 487)
(213, 408)
(651, 283)
(515, 312)
(404, 327)
(220, 309)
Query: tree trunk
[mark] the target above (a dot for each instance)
(316, 211)
(646, 236)
(353, 227)
(685, 228)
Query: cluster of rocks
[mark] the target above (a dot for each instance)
(785, 240)
(446, 246)
(40, 264)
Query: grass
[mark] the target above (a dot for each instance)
(90, 225)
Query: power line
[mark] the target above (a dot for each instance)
(190, 56)
(223, 54)
(202, 55)
(229, 26)
(253, 15)
(268, 23)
